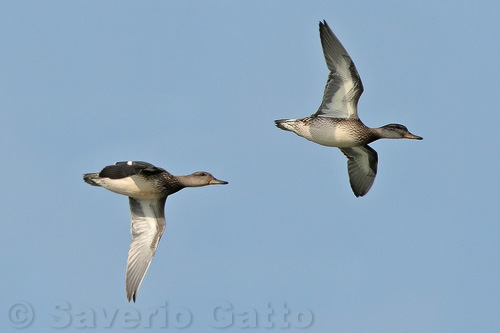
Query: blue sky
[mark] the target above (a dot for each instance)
(196, 85)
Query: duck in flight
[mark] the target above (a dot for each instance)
(147, 187)
(336, 123)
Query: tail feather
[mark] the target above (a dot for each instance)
(90, 178)
(284, 124)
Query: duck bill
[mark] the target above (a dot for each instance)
(217, 182)
(411, 136)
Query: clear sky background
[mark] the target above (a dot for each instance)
(196, 85)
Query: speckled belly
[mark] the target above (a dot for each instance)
(330, 133)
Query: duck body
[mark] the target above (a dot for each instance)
(147, 187)
(336, 122)
(140, 180)
(330, 132)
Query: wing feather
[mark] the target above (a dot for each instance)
(126, 169)
(147, 226)
(362, 168)
(343, 87)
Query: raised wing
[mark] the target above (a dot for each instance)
(343, 87)
(362, 168)
(127, 169)
(147, 226)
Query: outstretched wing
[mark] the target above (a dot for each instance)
(147, 226)
(362, 168)
(343, 87)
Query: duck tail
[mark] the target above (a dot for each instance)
(91, 178)
(285, 124)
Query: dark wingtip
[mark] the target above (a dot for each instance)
(357, 192)
(360, 194)
(131, 297)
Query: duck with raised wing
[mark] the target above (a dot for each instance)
(336, 123)
(147, 187)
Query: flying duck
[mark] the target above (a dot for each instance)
(147, 187)
(336, 123)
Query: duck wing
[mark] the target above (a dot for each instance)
(126, 169)
(147, 226)
(362, 168)
(343, 87)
